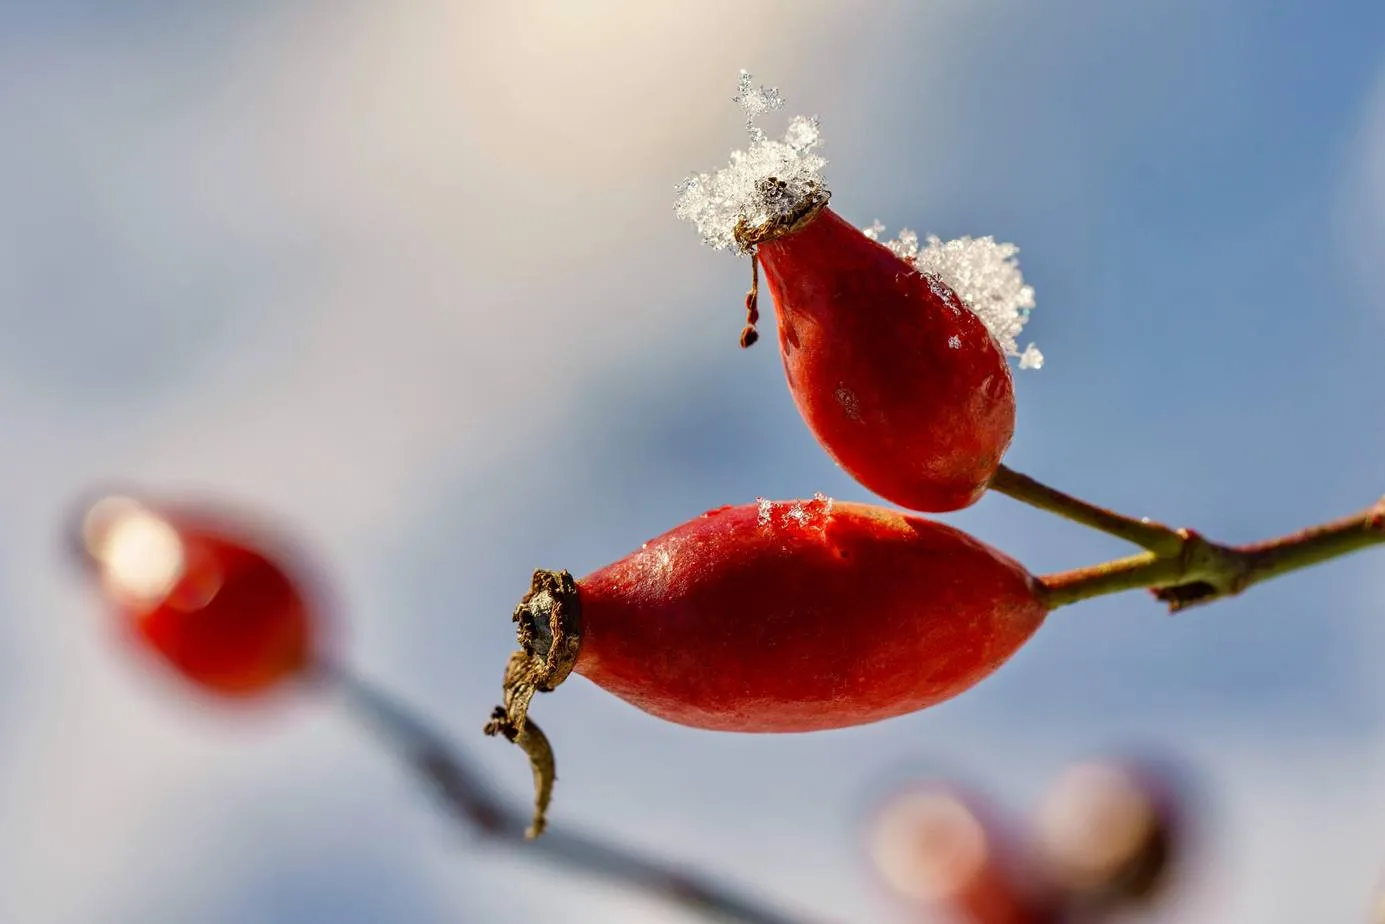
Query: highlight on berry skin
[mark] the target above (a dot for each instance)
(940, 849)
(138, 555)
(202, 594)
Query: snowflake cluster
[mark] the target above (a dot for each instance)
(771, 177)
(986, 277)
(716, 203)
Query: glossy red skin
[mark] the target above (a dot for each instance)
(854, 614)
(865, 340)
(235, 623)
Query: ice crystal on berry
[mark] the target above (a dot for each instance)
(761, 184)
(809, 514)
(1031, 358)
(754, 102)
(986, 277)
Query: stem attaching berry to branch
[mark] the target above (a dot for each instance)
(1189, 569)
(1142, 532)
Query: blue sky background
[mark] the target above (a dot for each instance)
(407, 276)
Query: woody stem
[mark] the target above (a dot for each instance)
(1200, 571)
(477, 807)
(1145, 533)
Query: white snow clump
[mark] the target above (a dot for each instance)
(716, 203)
(986, 277)
(771, 179)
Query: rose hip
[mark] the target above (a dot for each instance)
(205, 598)
(896, 356)
(1113, 833)
(944, 849)
(901, 383)
(778, 617)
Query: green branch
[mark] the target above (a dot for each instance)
(1181, 566)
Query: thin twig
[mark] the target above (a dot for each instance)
(1200, 571)
(473, 802)
(1145, 533)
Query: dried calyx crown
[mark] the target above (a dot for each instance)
(795, 214)
(549, 619)
(792, 210)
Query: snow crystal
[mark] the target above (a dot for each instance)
(906, 246)
(774, 182)
(796, 514)
(823, 503)
(769, 181)
(986, 277)
(1031, 358)
(755, 102)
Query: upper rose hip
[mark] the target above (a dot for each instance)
(895, 355)
(899, 381)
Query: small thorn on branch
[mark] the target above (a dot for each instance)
(1375, 517)
(1183, 596)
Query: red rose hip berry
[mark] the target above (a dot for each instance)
(1114, 833)
(946, 850)
(778, 617)
(896, 356)
(901, 383)
(206, 599)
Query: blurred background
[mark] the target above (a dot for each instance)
(407, 277)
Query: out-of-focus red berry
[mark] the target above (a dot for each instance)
(899, 381)
(1111, 833)
(205, 597)
(941, 848)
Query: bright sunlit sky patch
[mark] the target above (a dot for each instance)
(341, 261)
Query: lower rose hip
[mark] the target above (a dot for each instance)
(779, 617)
